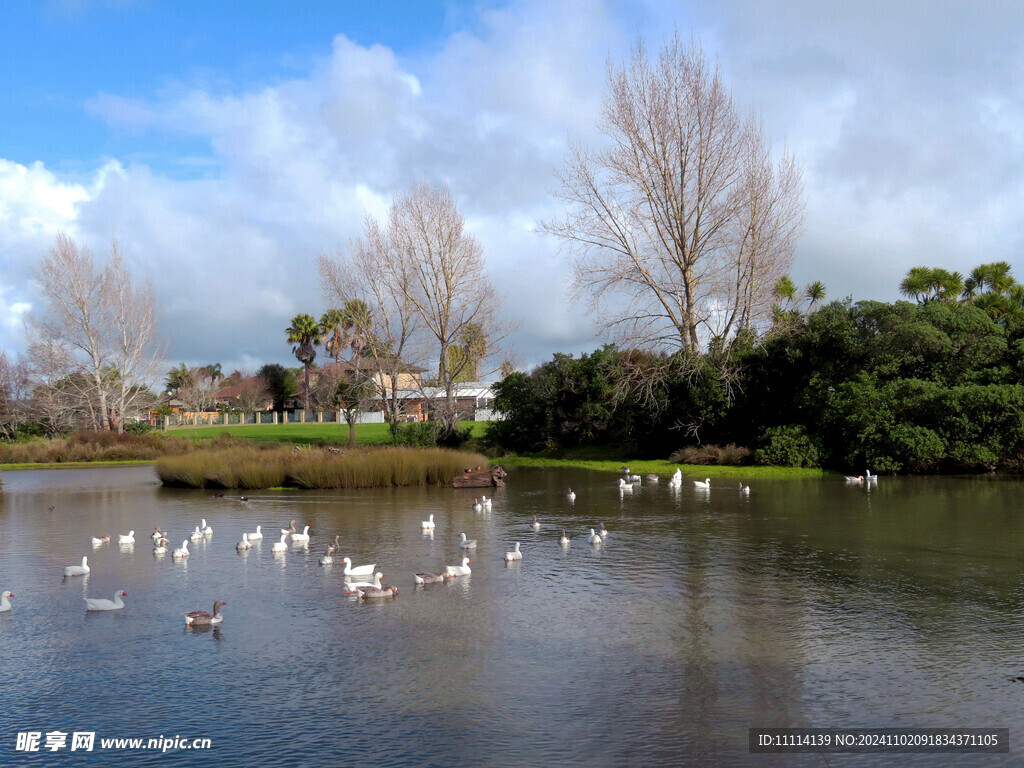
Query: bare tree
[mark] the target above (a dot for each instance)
(678, 226)
(251, 393)
(373, 272)
(15, 393)
(424, 275)
(200, 393)
(98, 337)
(760, 247)
(448, 288)
(74, 335)
(136, 349)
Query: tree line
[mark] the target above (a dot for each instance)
(933, 385)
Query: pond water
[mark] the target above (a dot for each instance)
(806, 603)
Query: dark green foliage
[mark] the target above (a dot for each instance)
(788, 446)
(138, 427)
(281, 382)
(430, 434)
(929, 387)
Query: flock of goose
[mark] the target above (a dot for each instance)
(355, 575)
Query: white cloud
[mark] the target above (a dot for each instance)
(911, 143)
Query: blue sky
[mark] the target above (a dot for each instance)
(60, 55)
(226, 144)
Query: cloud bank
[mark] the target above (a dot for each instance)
(911, 144)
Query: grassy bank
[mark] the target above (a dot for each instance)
(108, 448)
(302, 434)
(665, 469)
(90, 448)
(253, 467)
(77, 464)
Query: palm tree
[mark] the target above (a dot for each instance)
(304, 332)
(332, 325)
(212, 372)
(988, 278)
(814, 293)
(924, 284)
(178, 379)
(350, 328)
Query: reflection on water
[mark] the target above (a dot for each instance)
(703, 613)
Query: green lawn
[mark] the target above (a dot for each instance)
(664, 468)
(302, 434)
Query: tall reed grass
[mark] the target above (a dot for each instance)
(250, 467)
(92, 446)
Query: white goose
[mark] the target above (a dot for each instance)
(98, 540)
(304, 536)
(625, 487)
(705, 485)
(603, 531)
(244, 543)
(515, 554)
(157, 534)
(362, 570)
(282, 545)
(182, 552)
(129, 539)
(352, 586)
(327, 558)
(466, 543)
(571, 495)
(486, 502)
(870, 478)
(78, 570)
(206, 529)
(535, 524)
(428, 525)
(101, 604)
(594, 538)
(459, 570)
(744, 488)
(196, 535)
(564, 540)
(161, 547)
(5, 604)
(258, 534)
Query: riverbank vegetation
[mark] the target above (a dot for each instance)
(250, 467)
(664, 469)
(934, 386)
(92, 447)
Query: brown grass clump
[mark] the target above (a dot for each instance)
(731, 455)
(251, 467)
(93, 446)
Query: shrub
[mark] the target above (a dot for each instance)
(139, 428)
(428, 434)
(788, 446)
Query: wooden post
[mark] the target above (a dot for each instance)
(275, 417)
